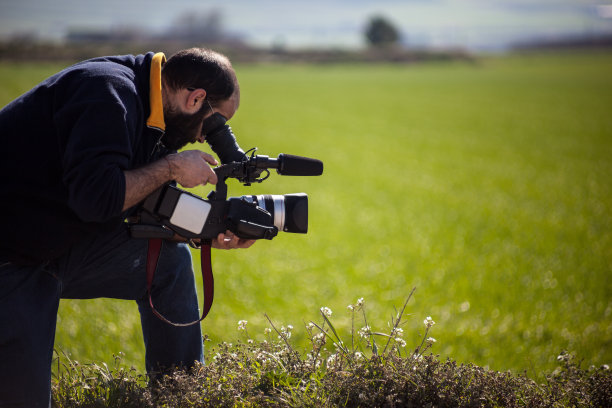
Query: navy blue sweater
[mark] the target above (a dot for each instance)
(65, 145)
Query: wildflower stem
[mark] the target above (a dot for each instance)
(371, 336)
(399, 318)
(282, 336)
(339, 340)
(352, 331)
(418, 349)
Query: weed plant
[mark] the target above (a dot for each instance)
(367, 368)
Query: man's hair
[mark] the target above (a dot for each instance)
(201, 68)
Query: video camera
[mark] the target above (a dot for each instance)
(171, 210)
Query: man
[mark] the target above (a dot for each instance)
(80, 151)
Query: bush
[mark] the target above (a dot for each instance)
(368, 373)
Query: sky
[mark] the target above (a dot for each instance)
(472, 24)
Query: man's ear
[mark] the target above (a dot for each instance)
(193, 100)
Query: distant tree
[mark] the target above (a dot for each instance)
(380, 32)
(194, 25)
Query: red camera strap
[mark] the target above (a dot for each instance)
(208, 282)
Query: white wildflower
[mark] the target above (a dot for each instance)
(267, 330)
(364, 331)
(397, 332)
(358, 355)
(326, 311)
(310, 326)
(360, 302)
(400, 342)
(332, 359)
(350, 307)
(428, 322)
(242, 324)
(312, 361)
(286, 331)
(319, 338)
(431, 340)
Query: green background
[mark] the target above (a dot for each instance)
(487, 185)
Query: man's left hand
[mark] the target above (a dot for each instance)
(231, 241)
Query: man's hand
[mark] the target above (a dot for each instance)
(223, 241)
(231, 241)
(191, 168)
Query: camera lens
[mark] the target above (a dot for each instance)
(289, 211)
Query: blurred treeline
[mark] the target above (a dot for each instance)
(382, 42)
(27, 49)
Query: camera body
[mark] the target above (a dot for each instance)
(171, 210)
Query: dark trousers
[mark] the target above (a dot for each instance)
(111, 266)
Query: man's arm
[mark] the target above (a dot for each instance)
(189, 168)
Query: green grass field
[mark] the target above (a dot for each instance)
(487, 186)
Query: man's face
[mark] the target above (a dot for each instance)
(183, 128)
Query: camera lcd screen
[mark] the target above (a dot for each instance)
(190, 213)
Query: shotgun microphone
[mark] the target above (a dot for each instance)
(289, 165)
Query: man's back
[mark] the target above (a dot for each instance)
(65, 145)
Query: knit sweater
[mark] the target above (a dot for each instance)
(65, 146)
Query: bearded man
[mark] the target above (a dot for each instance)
(80, 151)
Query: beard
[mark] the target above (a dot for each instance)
(181, 128)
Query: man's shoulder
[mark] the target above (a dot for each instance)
(105, 69)
(116, 79)
(120, 71)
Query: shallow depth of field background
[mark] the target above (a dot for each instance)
(485, 185)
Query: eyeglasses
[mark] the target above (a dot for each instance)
(212, 111)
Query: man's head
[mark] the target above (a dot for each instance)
(195, 83)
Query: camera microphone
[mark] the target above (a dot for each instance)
(289, 165)
(223, 142)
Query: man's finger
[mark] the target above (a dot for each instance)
(245, 243)
(209, 158)
(228, 240)
(212, 178)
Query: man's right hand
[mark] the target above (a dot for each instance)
(191, 168)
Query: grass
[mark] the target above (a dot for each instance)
(337, 371)
(484, 185)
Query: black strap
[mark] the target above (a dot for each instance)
(208, 282)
